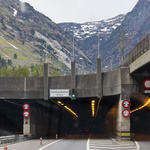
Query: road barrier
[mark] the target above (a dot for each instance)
(5, 148)
(41, 140)
(7, 139)
(11, 138)
(56, 136)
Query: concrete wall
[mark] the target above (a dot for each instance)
(21, 88)
(111, 82)
(86, 86)
(140, 62)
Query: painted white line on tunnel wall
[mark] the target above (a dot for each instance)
(49, 144)
(88, 144)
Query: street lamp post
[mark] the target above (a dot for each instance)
(73, 44)
(106, 68)
(82, 63)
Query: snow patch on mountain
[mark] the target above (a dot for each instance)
(88, 29)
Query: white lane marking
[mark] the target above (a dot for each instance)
(112, 145)
(112, 148)
(88, 144)
(137, 145)
(49, 144)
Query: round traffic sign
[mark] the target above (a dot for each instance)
(146, 84)
(126, 113)
(26, 106)
(126, 103)
(26, 114)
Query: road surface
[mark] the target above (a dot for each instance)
(70, 144)
(144, 145)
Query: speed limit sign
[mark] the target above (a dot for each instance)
(26, 114)
(126, 113)
(126, 103)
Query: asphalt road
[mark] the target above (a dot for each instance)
(75, 144)
(144, 145)
(62, 144)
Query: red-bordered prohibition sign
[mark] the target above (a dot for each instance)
(146, 84)
(126, 113)
(126, 103)
(26, 106)
(26, 114)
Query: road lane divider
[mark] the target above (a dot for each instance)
(49, 144)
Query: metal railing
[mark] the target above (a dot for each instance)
(7, 139)
(137, 51)
(10, 138)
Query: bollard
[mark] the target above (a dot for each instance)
(56, 136)
(5, 148)
(40, 140)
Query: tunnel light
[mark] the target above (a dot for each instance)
(147, 102)
(71, 111)
(13, 103)
(93, 107)
(67, 108)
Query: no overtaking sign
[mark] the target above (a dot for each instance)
(126, 103)
(126, 113)
(26, 106)
(26, 114)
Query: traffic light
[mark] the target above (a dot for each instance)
(73, 95)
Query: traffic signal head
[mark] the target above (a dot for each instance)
(73, 94)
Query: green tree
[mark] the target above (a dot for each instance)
(15, 56)
(5, 72)
(37, 71)
(23, 72)
(9, 62)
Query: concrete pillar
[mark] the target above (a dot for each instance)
(73, 78)
(99, 79)
(37, 124)
(46, 90)
(123, 123)
(26, 126)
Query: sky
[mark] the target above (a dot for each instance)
(80, 11)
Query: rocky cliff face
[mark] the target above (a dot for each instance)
(35, 38)
(133, 29)
(87, 33)
(118, 35)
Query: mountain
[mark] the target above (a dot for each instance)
(133, 29)
(27, 37)
(118, 35)
(87, 33)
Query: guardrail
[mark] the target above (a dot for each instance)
(10, 138)
(137, 51)
(7, 139)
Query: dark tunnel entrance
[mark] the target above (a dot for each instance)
(139, 119)
(103, 124)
